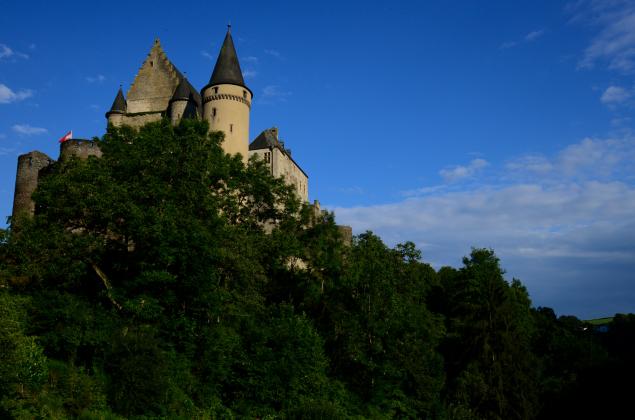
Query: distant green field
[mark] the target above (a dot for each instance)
(600, 321)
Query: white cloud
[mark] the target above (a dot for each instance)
(249, 73)
(249, 59)
(96, 79)
(273, 53)
(28, 130)
(207, 55)
(534, 164)
(7, 95)
(559, 223)
(534, 35)
(6, 151)
(530, 37)
(354, 190)
(614, 43)
(271, 93)
(459, 172)
(7, 53)
(614, 95)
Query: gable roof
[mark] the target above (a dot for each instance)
(156, 83)
(268, 139)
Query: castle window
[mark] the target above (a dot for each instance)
(231, 128)
(151, 63)
(244, 94)
(215, 90)
(267, 157)
(213, 112)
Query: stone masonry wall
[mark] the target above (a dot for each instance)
(29, 167)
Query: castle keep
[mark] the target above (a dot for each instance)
(160, 90)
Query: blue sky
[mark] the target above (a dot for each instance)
(452, 124)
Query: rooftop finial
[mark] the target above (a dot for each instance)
(229, 26)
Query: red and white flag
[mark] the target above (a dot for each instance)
(67, 136)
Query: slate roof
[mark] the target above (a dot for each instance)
(182, 91)
(267, 140)
(119, 104)
(227, 69)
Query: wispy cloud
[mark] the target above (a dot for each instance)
(96, 79)
(534, 35)
(28, 130)
(614, 43)
(6, 150)
(559, 222)
(354, 190)
(7, 53)
(272, 93)
(249, 73)
(530, 37)
(455, 173)
(7, 95)
(273, 53)
(250, 59)
(207, 55)
(615, 95)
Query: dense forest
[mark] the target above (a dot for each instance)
(168, 280)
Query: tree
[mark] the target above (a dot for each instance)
(134, 261)
(487, 349)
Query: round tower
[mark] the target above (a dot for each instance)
(29, 167)
(178, 107)
(118, 110)
(227, 101)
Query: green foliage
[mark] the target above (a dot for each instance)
(169, 280)
(487, 349)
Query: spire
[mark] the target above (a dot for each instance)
(227, 69)
(119, 105)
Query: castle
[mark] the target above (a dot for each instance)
(159, 91)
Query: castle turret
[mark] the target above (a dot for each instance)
(26, 180)
(117, 110)
(183, 103)
(227, 100)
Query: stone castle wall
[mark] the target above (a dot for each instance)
(80, 148)
(29, 167)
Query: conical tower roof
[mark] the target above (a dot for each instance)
(119, 105)
(183, 91)
(227, 69)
